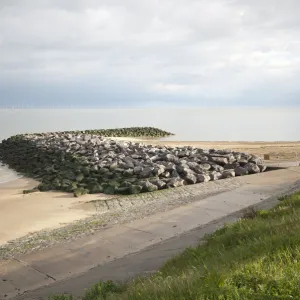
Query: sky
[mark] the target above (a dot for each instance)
(149, 53)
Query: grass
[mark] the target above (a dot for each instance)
(253, 258)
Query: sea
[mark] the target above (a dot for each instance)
(188, 124)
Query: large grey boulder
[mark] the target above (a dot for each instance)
(262, 168)
(219, 160)
(240, 171)
(252, 168)
(202, 178)
(175, 182)
(214, 175)
(146, 172)
(228, 174)
(149, 187)
(159, 183)
(190, 178)
(138, 170)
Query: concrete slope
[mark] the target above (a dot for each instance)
(137, 248)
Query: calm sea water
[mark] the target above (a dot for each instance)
(206, 124)
(201, 124)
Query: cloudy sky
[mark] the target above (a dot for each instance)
(143, 53)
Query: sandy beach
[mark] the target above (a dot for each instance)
(278, 151)
(23, 214)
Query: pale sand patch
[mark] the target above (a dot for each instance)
(278, 151)
(23, 214)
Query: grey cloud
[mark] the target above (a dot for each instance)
(209, 48)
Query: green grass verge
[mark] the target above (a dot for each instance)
(257, 258)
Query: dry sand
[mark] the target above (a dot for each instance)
(278, 151)
(22, 214)
(289, 151)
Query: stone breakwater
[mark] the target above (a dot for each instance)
(87, 163)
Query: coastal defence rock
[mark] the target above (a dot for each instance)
(82, 163)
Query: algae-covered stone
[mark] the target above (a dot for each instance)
(128, 172)
(95, 188)
(159, 183)
(109, 190)
(149, 187)
(80, 192)
(175, 182)
(30, 191)
(123, 190)
(125, 184)
(85, 171)
(113, 166)
(135, 189)
(79, 177)
(44, 187)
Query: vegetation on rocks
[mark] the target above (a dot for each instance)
(149, 132)
(255, 258)
(84, 163)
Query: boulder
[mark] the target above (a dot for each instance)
(171, 158)
(159, 169)
(262, 168)
(243, 162)
(256, 160)
(159, 183)
(240, 171)
(174, 174)
(95, 188)
(214, 175)
(205, 166)
(123, 190)
(219, 160)
(79, 177)
(135, 189)
(231, 166)
(128, 173)
(216, 167)
(110, 190)
(175, 182)
(228, 174)
(146, 172)
(190, 178)
(252, 168)
(202, 178)
(149, 187)
(137, 170)
(113, 166)
(80, 192)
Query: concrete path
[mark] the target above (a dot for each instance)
(139, 247)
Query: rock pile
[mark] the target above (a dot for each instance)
(87, 163)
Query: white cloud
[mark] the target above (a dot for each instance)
(211, 48)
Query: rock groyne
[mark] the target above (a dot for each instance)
(81, 163)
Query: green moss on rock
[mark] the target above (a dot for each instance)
(80, 192)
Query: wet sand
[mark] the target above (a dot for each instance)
(23, 214)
